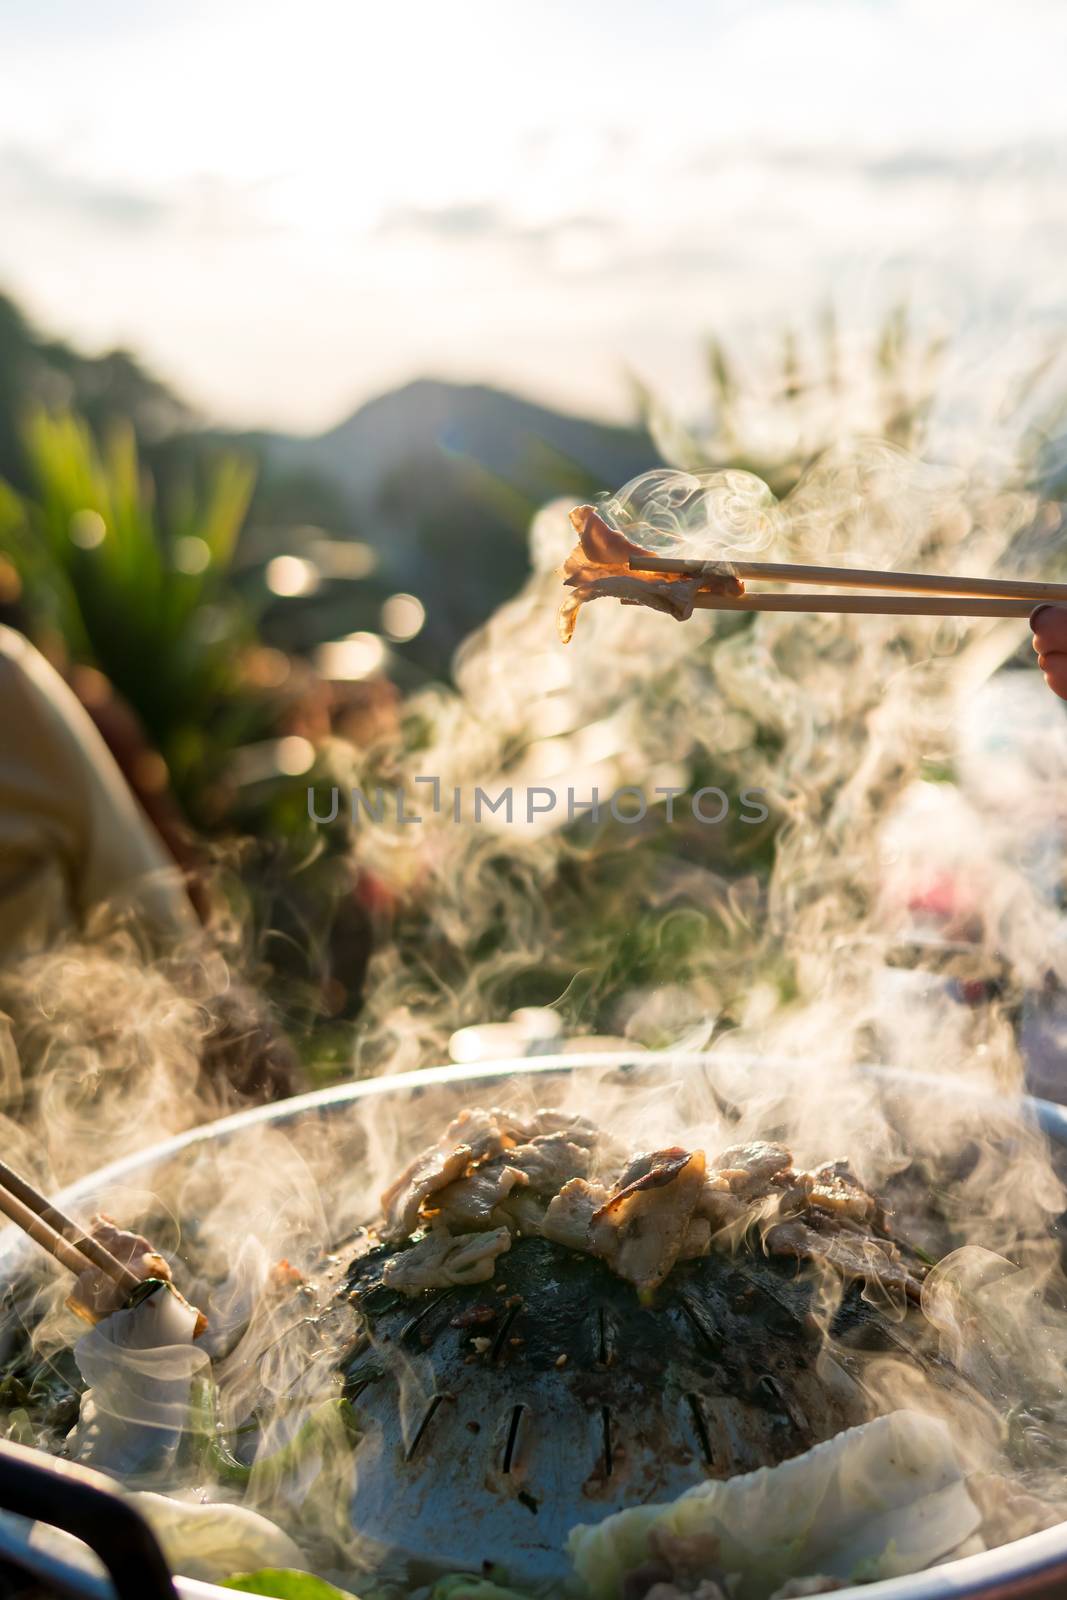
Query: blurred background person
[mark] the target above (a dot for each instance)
(72, 836)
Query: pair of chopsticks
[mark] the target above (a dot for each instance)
(57, 1233)
(924, 594)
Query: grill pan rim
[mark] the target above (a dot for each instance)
(1034, 1567)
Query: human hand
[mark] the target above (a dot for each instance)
(1049, 624)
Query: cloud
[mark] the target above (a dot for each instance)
(446, 222)
(1027, 159)
(29, 181)
(488, 224)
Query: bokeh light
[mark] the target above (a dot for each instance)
(192, 555)
(360, 655)
(290, 577)
(87, 529)
(403, 616)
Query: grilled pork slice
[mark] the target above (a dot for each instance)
(834, 1190)
(441, 1259)
(431, 1171)
(854, 1255)
(641, 1228)
(541, 1148)
(530, 1174)
(549, 1161)
(569, 1218)
(737, 1179)
(599, 566)
(747, 1169)
(542, 1124)
(95, 1295)
(492, 1194)
(472, 1202)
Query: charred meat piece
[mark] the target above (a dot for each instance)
(854, 1255)
(738, 1178)
(641, 1228)
(94, 1295)
(472, 1202)
(652, 1170)
(599, 566)
(440, 1260)
(549, 1161)
(836, 1191)
(434, 1169)
(748, 1169)
(569, 1218)
(540, 1124)
(548, 1146)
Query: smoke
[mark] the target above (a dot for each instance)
(100, 1047)
(888, 911)
(848, 726)
(695, 514)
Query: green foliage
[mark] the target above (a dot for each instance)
(36, 371)
(283, 1583)
(803, 391)
(143, 599)
(466, 1586)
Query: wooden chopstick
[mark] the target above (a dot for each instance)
(40, 1232)
(865, 605)
(59, 1234)
(859, 578)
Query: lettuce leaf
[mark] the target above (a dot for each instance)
(877, 1501)
(465, 1586)
(212, 1541)
(282, 1583)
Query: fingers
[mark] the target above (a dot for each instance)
(1049, 625)
(1054, 668)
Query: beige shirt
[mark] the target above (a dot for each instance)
(72, 836)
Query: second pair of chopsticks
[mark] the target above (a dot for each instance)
(922, 594)
(57, 1233)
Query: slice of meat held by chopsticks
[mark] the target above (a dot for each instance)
(110, 1265)
(605, 562)
(602, 564)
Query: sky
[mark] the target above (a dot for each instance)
(285, 209)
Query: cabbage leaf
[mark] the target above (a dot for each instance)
(877, 1501)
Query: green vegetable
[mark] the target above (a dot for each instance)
(333, 1421)
(465, 1586)
(209, 1450)
(18, 1426)
(282, 1583)
(212, 1540)
(876, 1501)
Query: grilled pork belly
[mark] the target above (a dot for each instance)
(95, 1295)
(441, 1259)
(494, 1174)
(599, 567)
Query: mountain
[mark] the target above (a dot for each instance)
(510, 439)
(38, 371)
(441, 480)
